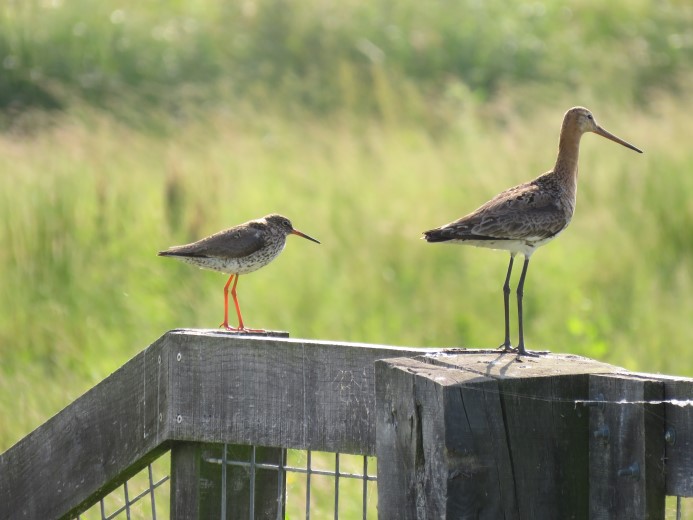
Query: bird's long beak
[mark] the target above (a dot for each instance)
(297, 232)
(609, 135)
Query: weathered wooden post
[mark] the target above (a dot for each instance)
(626, 448)
(440, 445)
(204, 485)
(479, 434)
(678, 435)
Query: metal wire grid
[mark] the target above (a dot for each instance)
(282, 469)
(675, 506)
(152, 484)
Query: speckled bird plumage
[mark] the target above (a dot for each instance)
(529, 215)
(241, 249)
(238, 250)
(519, 219)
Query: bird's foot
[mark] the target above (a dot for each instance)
(241, 329)
(506, 346)
(252, 331)
(521, 351)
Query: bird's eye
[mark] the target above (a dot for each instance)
(589, 116)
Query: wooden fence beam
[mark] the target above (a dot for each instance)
(92, 446)
(251, 390)
(192, 385)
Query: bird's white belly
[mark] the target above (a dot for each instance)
(242, 265)
(525, 246)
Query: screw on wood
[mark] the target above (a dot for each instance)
(602, 433)
(179, 357)
(670, 436)
(631, 471)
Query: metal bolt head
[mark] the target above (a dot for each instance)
(632, 471)
(670, 436)
(602, 433)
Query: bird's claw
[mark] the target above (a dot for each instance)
(245, 330)
(533, 354)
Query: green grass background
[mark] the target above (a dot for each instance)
(128, 127)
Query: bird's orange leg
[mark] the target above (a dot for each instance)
(238, 307)
(241, 327)
(225, 324)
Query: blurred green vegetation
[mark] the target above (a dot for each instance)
(130, 126)
(328, 54)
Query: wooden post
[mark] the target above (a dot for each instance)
(441, 449)
(204, 484)
(186, 499)
(626, 448)
(483, 435)
(678, 436)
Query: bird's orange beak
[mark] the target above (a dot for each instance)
(609, 135)
(297, 232)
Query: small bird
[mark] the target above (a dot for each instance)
(238, 250)
(521, 219)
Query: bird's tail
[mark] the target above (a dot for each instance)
(436, 235)
(173, 252)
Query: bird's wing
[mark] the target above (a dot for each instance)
(529, 224)
(525, 212)
(230, 243)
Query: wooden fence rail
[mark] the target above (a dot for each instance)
(458, 433)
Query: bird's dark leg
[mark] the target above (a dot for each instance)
(506, 304)
(520, 293)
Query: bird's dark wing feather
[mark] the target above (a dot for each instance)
(231, 243)
(524, 212)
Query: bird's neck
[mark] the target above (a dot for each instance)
(566, 168)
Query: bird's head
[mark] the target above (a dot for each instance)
(283, 225)
(581, 120)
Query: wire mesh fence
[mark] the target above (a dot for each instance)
(306, 484)
(144, 496)
(310, 485)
